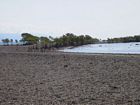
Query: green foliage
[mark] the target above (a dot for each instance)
(6, 41)
(137, 38)
(16, 41)
(29, 39)
(70, 39)
(44, 40)
(11, 41)
(124, 39)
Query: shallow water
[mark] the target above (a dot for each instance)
(121, 48)
(14, 43)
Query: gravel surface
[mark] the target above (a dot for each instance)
(69, 79)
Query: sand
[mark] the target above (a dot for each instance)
(56, 78)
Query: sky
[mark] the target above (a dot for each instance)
(98, 18)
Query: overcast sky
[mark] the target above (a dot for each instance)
(100, 18)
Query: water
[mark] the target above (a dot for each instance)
(121, 48)
(14, 43)
(1, 43)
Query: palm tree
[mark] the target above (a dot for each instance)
(16, 41)
(5, 41)
(11, 41)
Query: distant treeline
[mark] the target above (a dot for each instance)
(124, 39)
(68, 39)
(7, 41)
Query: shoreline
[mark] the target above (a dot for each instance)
(25, 49)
